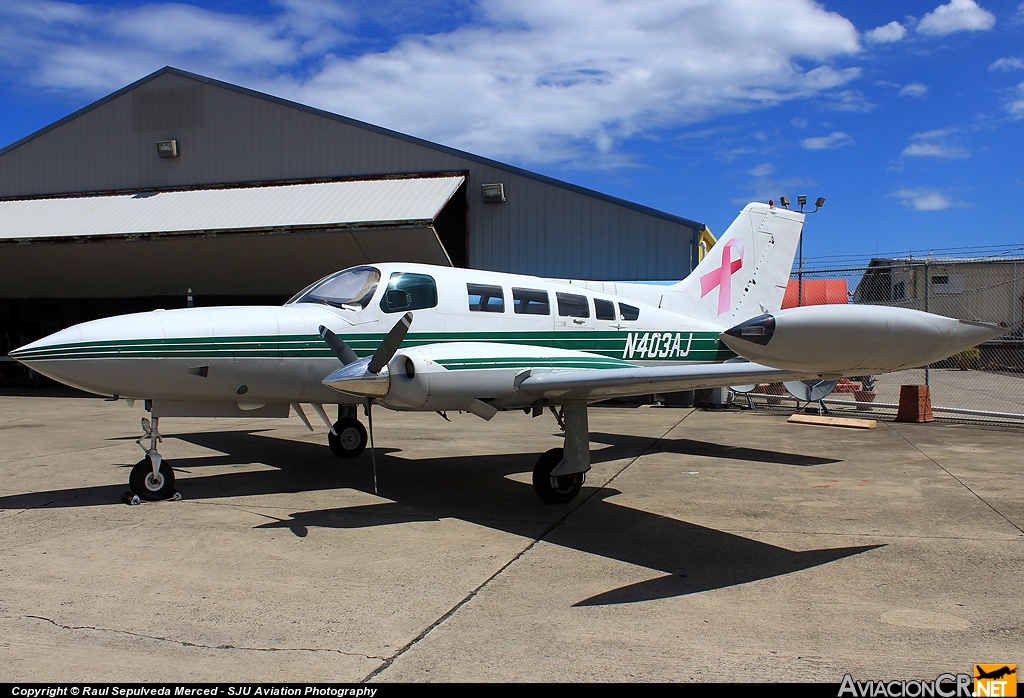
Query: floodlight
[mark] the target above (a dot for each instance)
(820, 202)
(167, 149)
(784, 201)
(801, 200)
(493, 193)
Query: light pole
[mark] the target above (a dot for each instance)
(801, 201)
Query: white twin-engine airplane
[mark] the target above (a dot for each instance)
(416, 337)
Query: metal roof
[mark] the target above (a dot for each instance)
(381, 203)
(887, 261)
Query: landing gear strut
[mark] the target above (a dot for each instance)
(560, 473)
(350, 439)
(152, 478)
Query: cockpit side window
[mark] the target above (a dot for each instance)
(407, 291)
(629, 312)
(484, 298)
(350, 289)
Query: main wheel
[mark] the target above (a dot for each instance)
(351, 438)
(555, 490)
(152, 487)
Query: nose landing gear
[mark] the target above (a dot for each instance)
(152, 478)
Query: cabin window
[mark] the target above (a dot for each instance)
(486, 299)
(629, 312)
(409, 292)
(571, 305)
(528, 301)
(604, 310)
(351, 289)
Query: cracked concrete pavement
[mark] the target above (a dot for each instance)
(705, 546)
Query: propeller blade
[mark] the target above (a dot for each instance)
(390, 345)
(341, 350)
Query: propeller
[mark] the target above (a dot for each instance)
(386, 351)
(343, 351)
(362, 376)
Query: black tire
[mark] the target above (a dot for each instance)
(143, 484)
(351, 438)
(564, 489)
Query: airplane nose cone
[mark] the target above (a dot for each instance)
(50, 346)
(50, 355)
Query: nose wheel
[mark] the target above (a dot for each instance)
(350, 439)
(149, 485)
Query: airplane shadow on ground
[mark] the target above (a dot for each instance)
(477, 489)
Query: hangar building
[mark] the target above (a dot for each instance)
(179, 182)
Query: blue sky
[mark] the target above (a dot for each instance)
(906, 116)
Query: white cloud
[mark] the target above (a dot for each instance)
(799, 122)
(932, 144)
(934, 134)
(762, 170)
(935, 150)
(846, 100)
(886, 34)
(765, 188)
(528, 79)
(1007, 64)
(922, 199)
(837, 139)
(958, 15)
(914, 89)
(1018, 16)
(1015, 105)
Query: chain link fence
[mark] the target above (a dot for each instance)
(982, 383)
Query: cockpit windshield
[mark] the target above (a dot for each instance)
(351, 289)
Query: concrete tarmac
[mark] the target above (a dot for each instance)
(705, 546)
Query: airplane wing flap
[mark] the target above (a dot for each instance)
(644, 380)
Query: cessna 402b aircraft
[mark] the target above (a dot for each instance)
(416, 337)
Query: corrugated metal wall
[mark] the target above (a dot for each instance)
(227, 135)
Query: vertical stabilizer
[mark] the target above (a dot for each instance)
(746, 272)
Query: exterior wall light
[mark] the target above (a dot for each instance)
(493, 193)
(167, 149)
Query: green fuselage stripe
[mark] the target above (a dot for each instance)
(658, 346)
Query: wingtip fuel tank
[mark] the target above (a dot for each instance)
(853, 339)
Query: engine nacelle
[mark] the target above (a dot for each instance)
(853, 339)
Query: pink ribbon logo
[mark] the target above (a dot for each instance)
(722, 277)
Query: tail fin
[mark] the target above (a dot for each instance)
(746, 272)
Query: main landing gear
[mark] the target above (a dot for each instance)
(350, 439)
(560, 473)
(152, 478)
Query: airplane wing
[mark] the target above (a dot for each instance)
(465, 370)
(643, 380)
